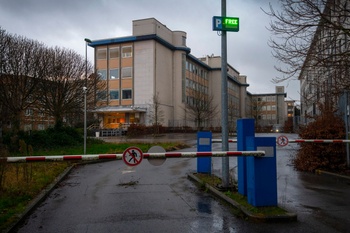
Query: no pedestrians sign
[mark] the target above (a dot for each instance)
(132, 156)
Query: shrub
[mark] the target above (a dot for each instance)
(327, 156)
(45, 139)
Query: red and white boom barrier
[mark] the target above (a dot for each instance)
(283, 140)
(320, 140)
(144, 155)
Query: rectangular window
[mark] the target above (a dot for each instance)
(28, 127)
(114, 94)
(101, 95)
(29, 112)
(114, 74)
(126, 51)
(126, 72)
(101, 54)
(127, 94)
(102, 74)
(114, 53)
(41, 112)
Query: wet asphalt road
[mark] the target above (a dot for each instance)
(111, 197)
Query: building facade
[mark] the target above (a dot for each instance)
(324, 75)
(269, 109)
(156, 61)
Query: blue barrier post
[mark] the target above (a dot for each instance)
(204, 144)
(245, 142)
(262, 174)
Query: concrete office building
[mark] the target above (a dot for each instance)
(270, 109)
(156, 61)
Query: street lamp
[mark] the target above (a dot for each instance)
(87, 41)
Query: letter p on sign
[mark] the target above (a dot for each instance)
(217, 23)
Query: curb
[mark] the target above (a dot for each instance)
(40, 198)
(331, 174)
(288, 217)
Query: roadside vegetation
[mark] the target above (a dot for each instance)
(325, 156)
(20, 183)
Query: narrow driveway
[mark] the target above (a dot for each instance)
(111, 197)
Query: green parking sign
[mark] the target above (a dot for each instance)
(225, 24)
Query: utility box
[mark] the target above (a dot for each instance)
(262, 174)
(204, 144)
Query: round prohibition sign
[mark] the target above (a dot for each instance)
(282, 140)
(132, 156)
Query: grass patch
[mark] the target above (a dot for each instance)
(100, 147)
(215, 181)
(22, 183)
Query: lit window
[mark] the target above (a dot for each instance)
(102, 74)
(114, 74)
(114, 53)
(101, 54)
(126, 72)
(114, 94)
(126, 51)
(127, 94)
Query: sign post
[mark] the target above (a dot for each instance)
(223, 24)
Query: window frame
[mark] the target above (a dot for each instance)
(123, 70)
(98, 54)
(123, 94)
(127, 54)
(111, 95)
(110, 52)
(103, 77)
(110, 73)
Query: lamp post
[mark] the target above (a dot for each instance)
(85, 92)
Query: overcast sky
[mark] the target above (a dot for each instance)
(66, 23)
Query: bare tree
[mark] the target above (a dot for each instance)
(21, 70)
(312, 35)
(233, 114)
(62, 91)
(156, 113)
(200, 109)
(257, 105)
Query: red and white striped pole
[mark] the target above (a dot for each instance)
(145, 155)
(320, 140)
(297, 141)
